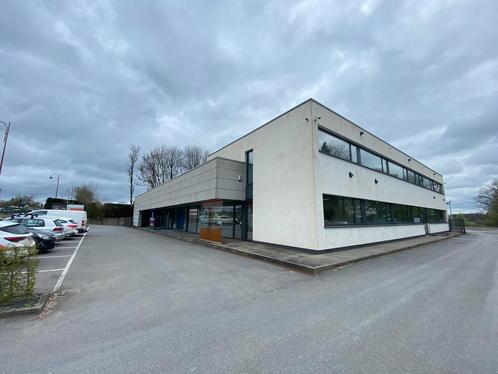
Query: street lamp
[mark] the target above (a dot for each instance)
(5, 137)
(57, 187)
(449, 204)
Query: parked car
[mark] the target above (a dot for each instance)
(45, 241)
(70, 227)
(51, 225)
(14, 235)
(79, 216)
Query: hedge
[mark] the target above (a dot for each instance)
(17, 274)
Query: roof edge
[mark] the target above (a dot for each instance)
(264, 124)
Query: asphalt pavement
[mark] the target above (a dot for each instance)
(135, 302)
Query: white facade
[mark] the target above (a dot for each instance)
(291, 177)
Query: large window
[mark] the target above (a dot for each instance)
(337, 147)
(395, 170)
(339, 211)
(370, 160)
(249, 176)
(400, 214)
(375, 212)
(435, 216)
(334, 146)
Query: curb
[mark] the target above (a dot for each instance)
(328, 267)
(293, 265)
(36, 309)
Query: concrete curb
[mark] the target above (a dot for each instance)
(36, 309)
(328, 267)
(290, 264)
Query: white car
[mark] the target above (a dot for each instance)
(70, 227)
(14, 235)
(44, 225)
(79, 216)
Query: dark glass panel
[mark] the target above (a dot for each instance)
(354, 153)
(375, 212)
(370, 160)
(333, 146)
(435, 216)
(395, 170)
(410, 176)
(193, 220)
(337, 210)
(401, 214)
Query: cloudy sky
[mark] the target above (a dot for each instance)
(81, 80)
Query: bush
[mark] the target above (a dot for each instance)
(17, 274)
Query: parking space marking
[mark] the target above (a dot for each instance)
(68, 265)
(58, 256)
(49, 270)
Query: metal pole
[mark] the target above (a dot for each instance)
(6, 136)
(57, 187)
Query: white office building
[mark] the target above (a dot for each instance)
(308, 179)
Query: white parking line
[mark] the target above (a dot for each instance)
(68, 265)
(58, 256)
(49, 270)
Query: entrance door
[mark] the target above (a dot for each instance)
(180, 218)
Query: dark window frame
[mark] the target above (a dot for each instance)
(388, 211)
(384, 161)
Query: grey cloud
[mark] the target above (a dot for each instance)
(85, 79)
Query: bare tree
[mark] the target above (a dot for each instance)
(173, 159)
(86, 193)
(132, 163)
(193, 156)
(160, 165)
(487, 197)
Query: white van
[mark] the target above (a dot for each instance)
(79, 216)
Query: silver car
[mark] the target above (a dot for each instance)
(44, 225)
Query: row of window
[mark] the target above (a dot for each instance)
(348, 211)
(338, 147)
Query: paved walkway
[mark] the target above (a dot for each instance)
(304, 261)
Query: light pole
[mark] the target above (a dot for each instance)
(57, 187)
(449, 204)
(5, 137)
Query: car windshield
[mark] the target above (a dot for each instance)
(15, 229)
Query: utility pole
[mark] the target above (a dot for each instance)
(57, 186)
(5, 137)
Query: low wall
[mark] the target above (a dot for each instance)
(438, 227)
(123, 221)
(339, 237)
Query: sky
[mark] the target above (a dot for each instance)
(82, 80)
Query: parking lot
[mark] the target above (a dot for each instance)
(54, 265)
(135, 301)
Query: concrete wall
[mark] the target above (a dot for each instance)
(332, 177)
(216, 179)
(290, 177)
(334, 122)
(356, 235)
(438, 227)
(284, 210)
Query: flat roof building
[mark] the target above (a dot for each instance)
(309, 179)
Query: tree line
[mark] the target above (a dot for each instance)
(161, 164)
